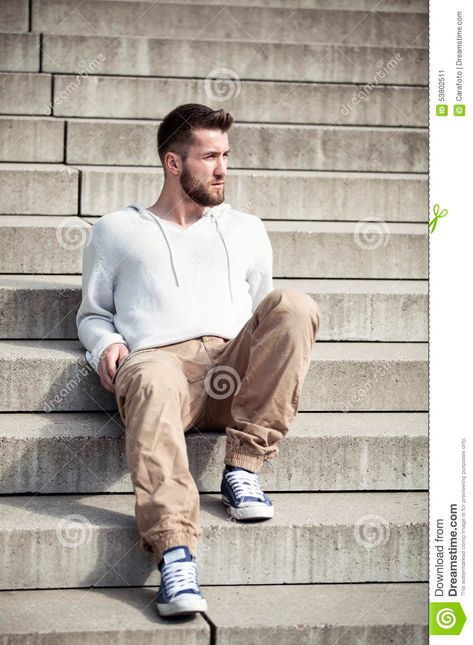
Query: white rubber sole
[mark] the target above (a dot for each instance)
(256, 512)
(184, 604)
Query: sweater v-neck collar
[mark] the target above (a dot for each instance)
(212, 213)
(176, 227)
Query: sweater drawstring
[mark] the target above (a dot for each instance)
(169, 247)
(139, 208)
(228, 257)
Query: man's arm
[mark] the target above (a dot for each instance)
(95, 326)
(260, 275)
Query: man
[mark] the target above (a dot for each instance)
(180, 320)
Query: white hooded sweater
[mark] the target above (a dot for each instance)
(147, 282)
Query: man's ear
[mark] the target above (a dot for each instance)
(173, 163)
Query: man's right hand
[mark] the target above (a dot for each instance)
(110, 360)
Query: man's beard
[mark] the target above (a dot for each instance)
(198, 192)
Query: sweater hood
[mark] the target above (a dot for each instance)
(215, 213)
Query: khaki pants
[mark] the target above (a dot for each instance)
(249, 385)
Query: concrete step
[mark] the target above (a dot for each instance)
(35, 91)
(301, 195)
(53, 245)
(19, 52)
(121, 616)
(289, 195)
(245, 23)
(46, 244)
(266, 102)
(320, 615)
(14, 15)
(30, 139)
(138, 56)
(368, 249)
(54, 299)
(85, 453)
(341, 377)
(313, 537)
(406, 6)
(368, 310)
(19, 194)
(317, 614)
(272, 146)
(276, 147)
(125, 97)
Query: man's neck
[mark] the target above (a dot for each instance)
(177, 215)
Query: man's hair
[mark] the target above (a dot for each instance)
(175, 131)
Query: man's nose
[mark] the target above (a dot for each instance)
(221, 168)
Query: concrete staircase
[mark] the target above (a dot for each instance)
(83, 87)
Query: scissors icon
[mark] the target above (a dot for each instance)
(437, 215)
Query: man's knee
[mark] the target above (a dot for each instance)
(296, 303)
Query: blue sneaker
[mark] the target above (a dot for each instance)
(242, 494)
(179, 592)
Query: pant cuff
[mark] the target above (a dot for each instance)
(157, 544)
(244, 460)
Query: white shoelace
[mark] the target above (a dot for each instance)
(245, 484)
(178, 576)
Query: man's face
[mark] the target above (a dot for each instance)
(203, 173)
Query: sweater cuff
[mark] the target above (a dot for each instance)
(93, 356)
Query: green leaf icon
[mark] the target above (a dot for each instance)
(446, 618)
